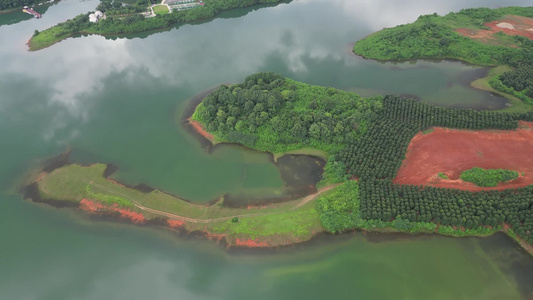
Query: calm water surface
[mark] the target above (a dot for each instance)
(120, 101)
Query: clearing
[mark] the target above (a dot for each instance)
(510, 25)
(451, 152)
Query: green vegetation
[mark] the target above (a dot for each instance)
(10, 4)
(160, 9)
(433, 36)
(366, 138)
(334, 172)
(380, 151)
(488, 178)
(373, 152)
(115, 8)
(126, 19)
(518, 83)
(275, 224)
(487, 83)
(293, 225)
(443, 176)
(344, 209)
(271, 113)
(339, 209)
(430, 130)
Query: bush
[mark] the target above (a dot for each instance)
(488, 178)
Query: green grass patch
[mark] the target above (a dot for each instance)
(47, 38)
(160, 9)
(279, 222)
(488, 177)
(430, 130)
(299, 224)
(443, 176)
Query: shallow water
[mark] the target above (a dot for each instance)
(121, 100)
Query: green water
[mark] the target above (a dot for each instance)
(120, 101)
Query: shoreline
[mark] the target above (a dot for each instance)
(187, 226)
(170, 25)
(182, 224)
(115, 214)
(512, 103)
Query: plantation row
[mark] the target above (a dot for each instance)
(380, 151)
(383, 200)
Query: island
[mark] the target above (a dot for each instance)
(115, 18)
(500, 38)
(375, 149)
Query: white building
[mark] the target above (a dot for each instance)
(93, 18)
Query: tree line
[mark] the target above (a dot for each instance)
(385, 201)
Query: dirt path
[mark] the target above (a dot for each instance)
(315, 195)
(206, 221)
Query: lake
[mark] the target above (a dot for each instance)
(121, 100)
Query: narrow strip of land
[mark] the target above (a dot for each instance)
(206, 221)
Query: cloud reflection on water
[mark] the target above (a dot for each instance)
(221, 50)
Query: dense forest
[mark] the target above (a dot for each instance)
(272, 113)
(433, 36)
(368, 139)
(116, 23)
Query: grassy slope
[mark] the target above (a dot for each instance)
(275, 224)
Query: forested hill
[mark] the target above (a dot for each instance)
(433, 36)
(271, 113)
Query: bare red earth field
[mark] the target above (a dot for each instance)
(454, 151)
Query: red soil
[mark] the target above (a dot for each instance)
(250, 243)
(90, 206)
(95, 207)
(128, 214)
(522, 26)
(454, 151)
(175, 223)
(200, 129)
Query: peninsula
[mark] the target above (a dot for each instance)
(487, 37)
(368, 181)
(118, 18)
